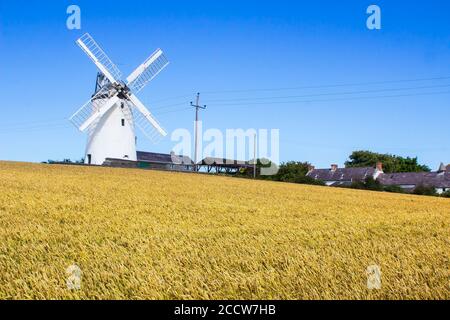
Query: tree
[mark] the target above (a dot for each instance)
(260, 163)
(425, 190)
(391, 163)
(290, 171)
(294, 172)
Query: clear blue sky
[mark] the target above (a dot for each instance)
(230, 50)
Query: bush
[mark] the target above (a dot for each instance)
(425, 191)
(308, 180)
(446, 194)
(293, 172)
(394, 189)
(369, 184)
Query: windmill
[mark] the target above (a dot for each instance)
(113, 112)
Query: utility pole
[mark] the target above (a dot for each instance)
(254, 159)
(197, 106)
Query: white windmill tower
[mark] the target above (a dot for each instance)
(113, 112)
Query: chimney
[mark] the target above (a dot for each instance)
(442, 168)
(380, 166)
(334, 167)
(311, 168)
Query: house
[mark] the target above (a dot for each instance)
(408, 181)
(162, 161)
(151, 160)
(344, 177)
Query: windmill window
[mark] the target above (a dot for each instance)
(123, 122)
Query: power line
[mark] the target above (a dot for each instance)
(337, 99)
(295, 88)
(340, 147)
(169, 106)
(312, 100)
(312, 95)
(172, 98)
(36, 128)
(32, 123)
(172, 111)
(329, 85)
(334, 93)
(259, 100)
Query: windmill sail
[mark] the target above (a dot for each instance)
(145, 73)
(99, 57)
(144, 119)
(93, 109)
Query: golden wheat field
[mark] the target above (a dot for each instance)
(139, 234)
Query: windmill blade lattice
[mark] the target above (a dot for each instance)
(99, 57)
(141, 122)
(91, 107)
(145, 73)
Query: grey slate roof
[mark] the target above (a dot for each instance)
(163, 158)
(211, 161)
(345, 176)
(342, 174)
(433, 179)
